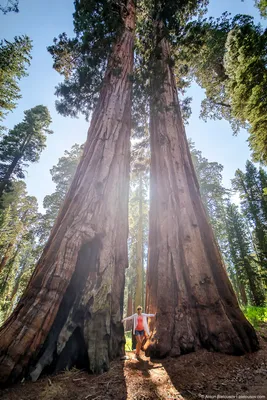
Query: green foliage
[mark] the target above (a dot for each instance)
(11, 5)
(14, 59)
(227, 58)
(246, 68)
(62, 175)
(241, 251)
(23, 144)
(250, 186)
(128, 344)
(200, 56)
(82, 60)
(262, 6)
(158, 19)
(213, 193)
(256, 315)
(19, 250)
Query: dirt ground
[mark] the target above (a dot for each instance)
(200, 375)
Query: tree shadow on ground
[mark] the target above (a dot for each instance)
(72, 385)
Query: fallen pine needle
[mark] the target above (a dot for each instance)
(78, 379)
(91, 395)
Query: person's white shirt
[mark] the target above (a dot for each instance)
(135, 321)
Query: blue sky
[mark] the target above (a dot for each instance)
(44, 20)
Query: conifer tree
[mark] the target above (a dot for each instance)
(18, 244)
(241, 253)
(62, 175)
(253, 202)
(73, 303)
(22, 144)
(187, 285)
(14, 59)
(11, 5)
(262, 6)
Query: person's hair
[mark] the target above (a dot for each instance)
(138, 308)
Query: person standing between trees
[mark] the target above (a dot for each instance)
(140, 327)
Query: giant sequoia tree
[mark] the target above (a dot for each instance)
(187, 284)
(71, 311)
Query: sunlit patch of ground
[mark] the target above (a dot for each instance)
(147, 380)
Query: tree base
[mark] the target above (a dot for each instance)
(210, 329)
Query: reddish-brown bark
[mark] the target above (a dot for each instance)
(128, 324)
(72, 308)
(187, 285)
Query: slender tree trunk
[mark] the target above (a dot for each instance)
(11, 245)
(128, 325)
(7, 255)
(255, 289)
(259, 228)
(16, 285)
(243, 295)
(139, 249)
(6, 282)
(8, 174)
(133, 335)
(143, 279)
(187, 285)
(71, 311)
(14, 163)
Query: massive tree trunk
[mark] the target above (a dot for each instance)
(187, 285)
(71, 311)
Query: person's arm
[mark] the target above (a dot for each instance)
(149, 315)
(128, 318)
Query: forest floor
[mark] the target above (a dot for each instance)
(200, 375)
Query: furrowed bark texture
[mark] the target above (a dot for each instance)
(187, 285)
(71, 311)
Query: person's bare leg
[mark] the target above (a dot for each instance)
(138, 344)
(141, 341)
